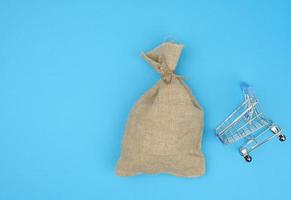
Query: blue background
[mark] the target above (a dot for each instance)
(70, 72)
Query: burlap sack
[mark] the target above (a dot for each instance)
(163, 133)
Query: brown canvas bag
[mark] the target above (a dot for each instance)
(164, 129)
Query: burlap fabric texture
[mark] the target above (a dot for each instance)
(164, 129)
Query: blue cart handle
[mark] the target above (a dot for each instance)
(247, 89)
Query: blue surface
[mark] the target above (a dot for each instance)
(70, 72)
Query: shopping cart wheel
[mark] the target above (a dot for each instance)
(282, 138)
(248, 158)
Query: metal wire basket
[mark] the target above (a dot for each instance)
(248, 121)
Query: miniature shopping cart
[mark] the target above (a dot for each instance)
(248, 122)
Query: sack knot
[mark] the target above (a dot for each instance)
(165, 71)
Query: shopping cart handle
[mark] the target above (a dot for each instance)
(247, 89)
